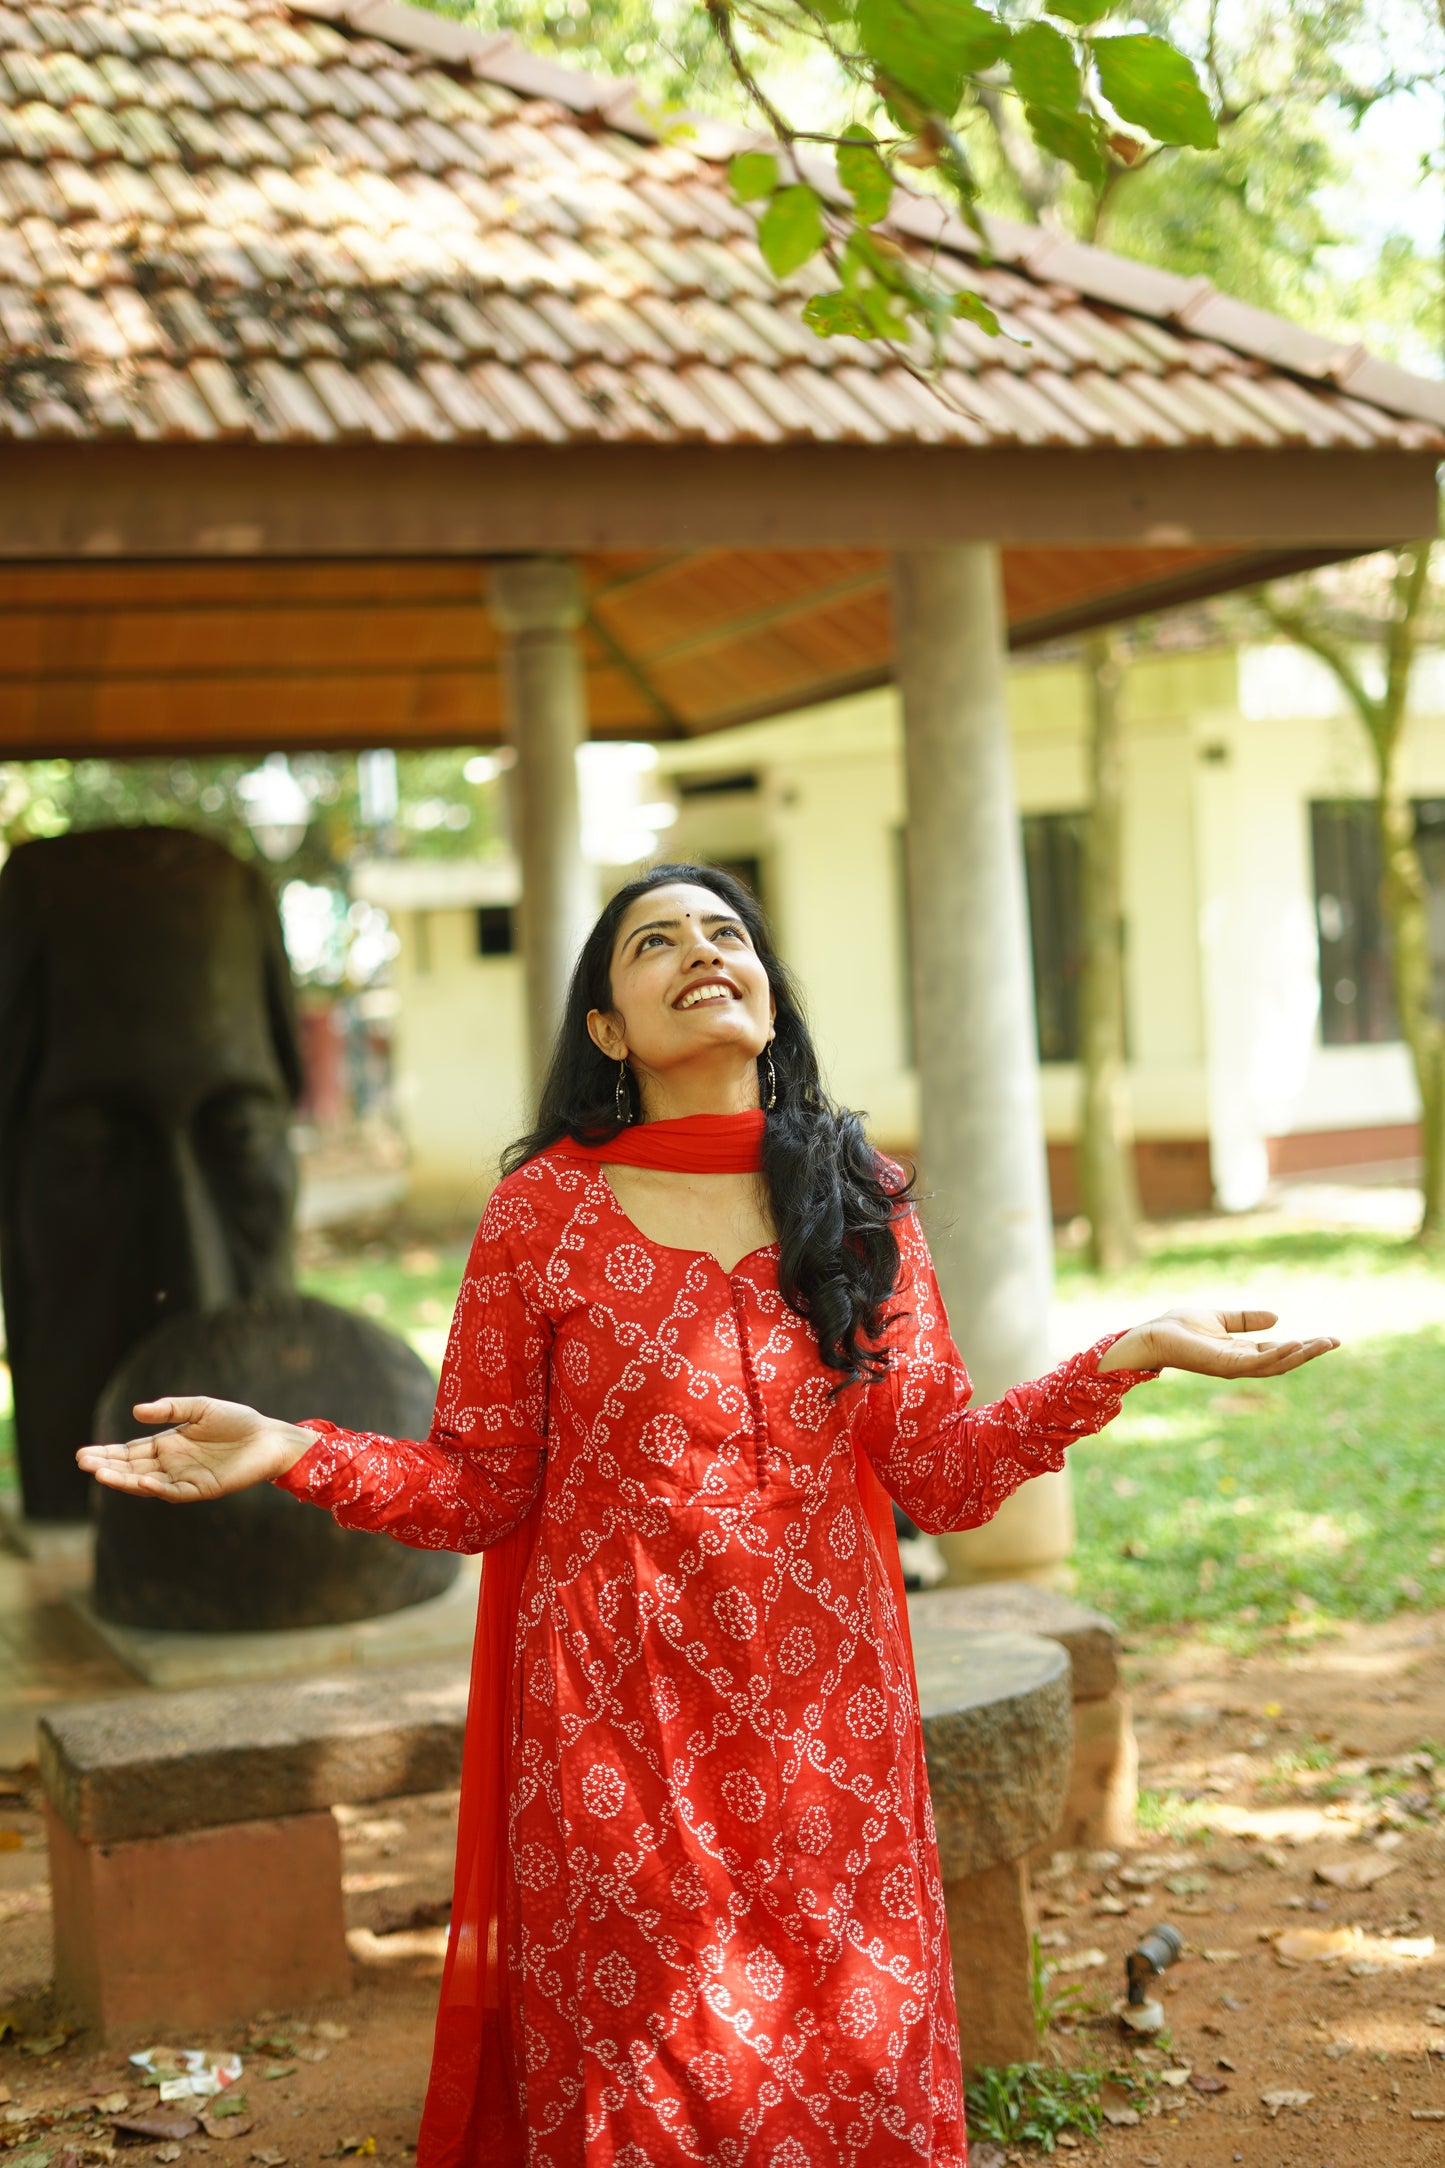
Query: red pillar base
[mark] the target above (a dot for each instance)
(196, 1929)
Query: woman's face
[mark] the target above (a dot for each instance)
(687, 987)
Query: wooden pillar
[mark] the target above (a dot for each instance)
(981, 1143)
(537, 605)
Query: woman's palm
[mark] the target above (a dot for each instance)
(211, 1447)
(1223, 1344)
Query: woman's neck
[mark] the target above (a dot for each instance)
(672, 1097)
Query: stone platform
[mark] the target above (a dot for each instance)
(442, 1626)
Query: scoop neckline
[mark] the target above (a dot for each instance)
(677, 1249)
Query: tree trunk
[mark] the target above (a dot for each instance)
(1107, 1187)
(1406, 913)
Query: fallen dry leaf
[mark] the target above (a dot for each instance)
(168, 2152)
(1175, 2078)
(1201, 2082)
(12, 1840)
(158, 2123)
(1435, 2014)
(110, 2103)
(47, 2043)
(1080, 1961)
(266, 2156)
(1117, 2104)
(987, 2156)
(228, 2126)
(326, 2028)
(1285, 2096)
(1361, 1871)
(1316, 1945)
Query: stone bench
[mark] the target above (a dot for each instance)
(196, 1866)
(997, 1733)
(1099, 1811)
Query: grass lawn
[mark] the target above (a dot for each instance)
(1298, 1500)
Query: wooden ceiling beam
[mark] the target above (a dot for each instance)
(61, 500)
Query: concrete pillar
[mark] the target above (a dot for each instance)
(537, 605)
(981, 1142)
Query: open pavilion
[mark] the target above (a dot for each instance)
(370, 381)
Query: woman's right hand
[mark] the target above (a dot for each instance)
(210, 1448)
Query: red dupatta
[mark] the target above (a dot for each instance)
(471, 2119)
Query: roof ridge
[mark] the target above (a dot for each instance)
(493, 56)
(1194, 306)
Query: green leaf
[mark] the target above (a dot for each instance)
(1077, 138)
(977, 310)
(791, 229)
(752, 174)
(877, 279)
(829, 11)
(1149, 83)
(928, 47)
(1045, 71)
(837, 316)
(1081, 11)
(866, 178)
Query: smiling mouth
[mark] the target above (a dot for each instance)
(714, 990)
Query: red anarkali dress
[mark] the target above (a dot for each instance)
(723, 1934)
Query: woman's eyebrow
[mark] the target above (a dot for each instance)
(669, 925)
(654, 925)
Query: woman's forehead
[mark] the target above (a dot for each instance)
(679, 899)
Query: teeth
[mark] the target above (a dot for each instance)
(704, 993)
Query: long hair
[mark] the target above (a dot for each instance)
(834, 1201)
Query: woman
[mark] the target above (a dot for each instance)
(698, 1346)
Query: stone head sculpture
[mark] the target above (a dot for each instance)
(148, 1066)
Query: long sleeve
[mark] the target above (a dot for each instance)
(951, 1466)
(473, 1479)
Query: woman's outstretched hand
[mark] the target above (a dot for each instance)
(1217, 1343)
(212, 1447)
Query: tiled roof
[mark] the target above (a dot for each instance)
(351, 219)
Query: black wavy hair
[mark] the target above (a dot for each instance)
(834, 1201)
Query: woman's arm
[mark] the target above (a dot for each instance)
(470, 1482)
(951, 1466)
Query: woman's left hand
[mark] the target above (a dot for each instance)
(1217, 1343)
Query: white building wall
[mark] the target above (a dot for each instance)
(461, 1061)
(1224, 753)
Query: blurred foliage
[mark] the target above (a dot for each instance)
(669, 45)
(852, 92)
(441, 812)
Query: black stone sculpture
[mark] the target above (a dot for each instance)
(262, 1559)
(148, 1067)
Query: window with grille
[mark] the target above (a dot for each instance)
(496, 930)
(1357, 1007)
(1054, 868)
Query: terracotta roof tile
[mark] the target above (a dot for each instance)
(350, 218)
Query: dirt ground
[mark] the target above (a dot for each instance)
(1272, 1766)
